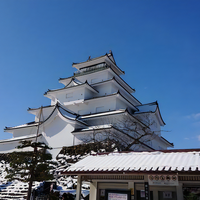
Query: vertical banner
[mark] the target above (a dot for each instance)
(146, 189)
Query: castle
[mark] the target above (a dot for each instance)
(92, 100)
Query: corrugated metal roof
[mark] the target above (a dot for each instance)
(138, 162)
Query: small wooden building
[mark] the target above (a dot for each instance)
(157, 175)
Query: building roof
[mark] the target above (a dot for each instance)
(93, 128)
(134, 162)
(48, 106)
(29, 124)
(102, 114)
(67, 80)
(72, 87)
(115, 81)
(64, 112)
(90, 62)
(165, 140)
(68, 115)
(21, 138)
(116, 94)
(150, 108)
(73, 82)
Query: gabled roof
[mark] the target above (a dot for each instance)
(66, 81)
(115, 81)
(104, 127)
(135, 162)
(110, 113)
(35, 111)
(68, 115)
(73, 82)
(72, 87)
(117, 94)
(105, 58)
(150, 108)
(166, 141)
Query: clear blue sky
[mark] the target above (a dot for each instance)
(157, 44)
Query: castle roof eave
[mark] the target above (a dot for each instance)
(98, 60)
(102, 114)
(71, 88)
(8, 129)
(109, 113)
(155, 111)
(118, 94)
(129, 88)
(114, 79)
(72, 119)
(109, 127)
(35, 110)
(91, 129)
(56, 107)
(166, 141)
(19, 138)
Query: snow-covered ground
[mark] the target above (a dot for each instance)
(65, 184)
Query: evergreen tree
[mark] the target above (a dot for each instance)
(31, 163)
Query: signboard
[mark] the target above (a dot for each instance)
(170, 180)
(117, 196)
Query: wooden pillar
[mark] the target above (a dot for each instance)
(155, 194)
(131, 187)
(179, 191)
(93, 190)
(78, 189)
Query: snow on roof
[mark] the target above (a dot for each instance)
(92, 128)
(88, 86)
(137, 162)
(90, 62)
(63, 111)
(20, 138)
(73, 82)
(102, 114)
(29, 124)
(43, 107)
(69, 115)
(151, 107)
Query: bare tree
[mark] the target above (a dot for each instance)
(124, 133)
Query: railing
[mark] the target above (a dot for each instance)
(91, 69)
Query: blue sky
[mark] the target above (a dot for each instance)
(156, 43)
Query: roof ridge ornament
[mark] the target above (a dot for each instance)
(89, 58)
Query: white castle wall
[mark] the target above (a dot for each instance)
(58, 134)
(24, 131)
(92, 106)
(96, 77)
